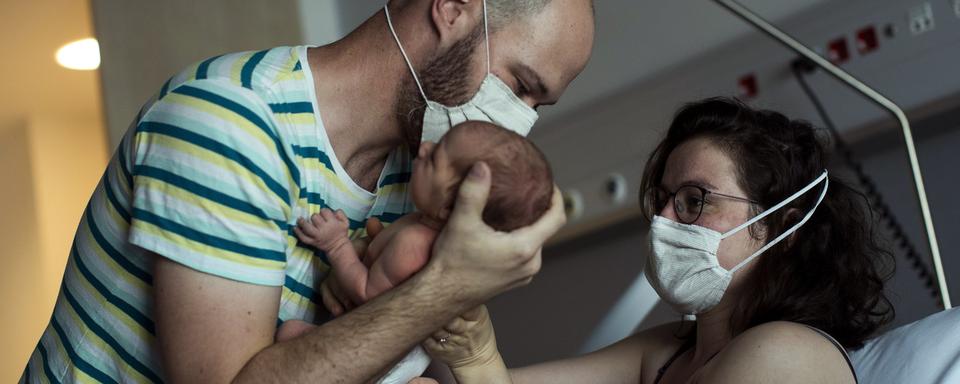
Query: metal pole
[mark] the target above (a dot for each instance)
(791, 43)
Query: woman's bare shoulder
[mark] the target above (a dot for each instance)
(782, 352)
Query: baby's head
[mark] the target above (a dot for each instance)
(522, 183)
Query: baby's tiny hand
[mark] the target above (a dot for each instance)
(326, 230)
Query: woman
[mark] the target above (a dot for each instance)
(775, 259)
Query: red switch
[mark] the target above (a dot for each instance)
(837, 51)
(867, 40)
(748, 88)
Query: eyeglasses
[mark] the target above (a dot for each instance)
(688, 201)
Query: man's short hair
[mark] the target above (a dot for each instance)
(503, 12)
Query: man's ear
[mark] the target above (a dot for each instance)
(454, 20)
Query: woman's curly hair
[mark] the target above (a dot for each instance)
(830, 273)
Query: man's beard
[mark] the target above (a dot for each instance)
(445, 80)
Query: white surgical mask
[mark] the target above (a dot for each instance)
(494, 103)
(683, 267)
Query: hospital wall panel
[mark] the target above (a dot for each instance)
(143, 43)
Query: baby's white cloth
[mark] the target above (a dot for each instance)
(412, 366)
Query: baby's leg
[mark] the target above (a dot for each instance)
(293, 329)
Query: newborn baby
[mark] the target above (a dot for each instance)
(521, 192)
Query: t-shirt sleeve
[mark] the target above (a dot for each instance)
(212, 185)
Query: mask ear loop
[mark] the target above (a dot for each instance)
(826, 185)
(386, 10)
(486, 34)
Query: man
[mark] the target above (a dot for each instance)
(185, 261)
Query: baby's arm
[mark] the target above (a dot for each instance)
(327, 231)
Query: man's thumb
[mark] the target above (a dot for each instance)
(474, 191)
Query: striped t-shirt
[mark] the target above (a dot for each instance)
(212, 174)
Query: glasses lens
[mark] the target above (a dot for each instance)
(688, 204)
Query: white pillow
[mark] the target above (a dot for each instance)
(925, 351)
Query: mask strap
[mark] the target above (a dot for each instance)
(826, 185)
(386, 10)
(776, 207)
(486, 34)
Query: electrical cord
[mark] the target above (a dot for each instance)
(801, 67)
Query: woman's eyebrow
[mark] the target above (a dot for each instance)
(699, 183)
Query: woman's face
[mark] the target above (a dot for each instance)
(701, 163)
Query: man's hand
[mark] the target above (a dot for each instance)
(476, 262)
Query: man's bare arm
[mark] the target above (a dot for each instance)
(214, 330)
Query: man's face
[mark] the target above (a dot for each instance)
(537, 57)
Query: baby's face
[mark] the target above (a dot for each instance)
(434, 176)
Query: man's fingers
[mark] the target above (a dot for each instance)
(548, 225)
(473, 194)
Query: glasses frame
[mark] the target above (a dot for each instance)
(704, 192)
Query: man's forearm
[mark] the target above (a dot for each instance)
(355, 347)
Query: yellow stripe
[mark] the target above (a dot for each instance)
(214, 208)
(225, 116)
(132, 326)
(238, 67)
(90, 337)
(203, 249)
(114, 268)
(225, 165)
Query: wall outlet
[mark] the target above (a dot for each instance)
(921, 19)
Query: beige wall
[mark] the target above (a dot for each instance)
(50, 168)
(23, 304)
(143, 43)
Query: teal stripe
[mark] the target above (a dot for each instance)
(46, 363)
(75, 359)
(396, 178)
(107, 338)
(203, 238)
(300, 289)
(115, 255)
(164, 90)
(314, 153)
(123, 306)
(299, 107)
(220, 149)
(204, 67)
(297, 67)
(246, 113)
(112, 198)
(205, 192)
(389, 217)
(317, 199)
(246, 74)
(122, 158)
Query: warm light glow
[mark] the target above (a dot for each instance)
(81, 55)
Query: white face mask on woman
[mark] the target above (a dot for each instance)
(683, 267)
(494, 103)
